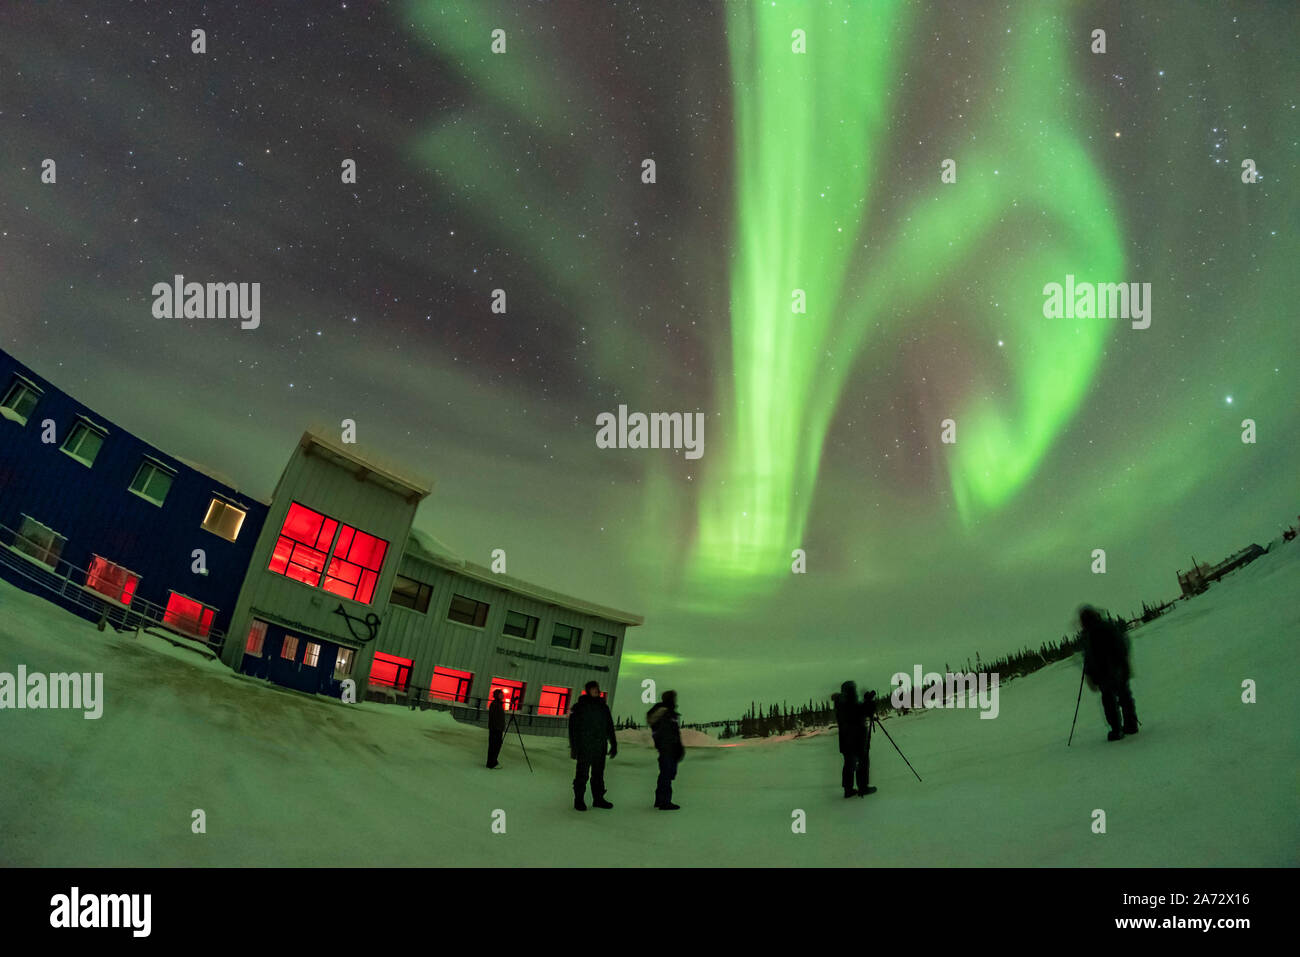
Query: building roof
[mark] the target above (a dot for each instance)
(424, 547)
(315, 442)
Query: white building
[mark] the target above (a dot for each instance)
(341, 586)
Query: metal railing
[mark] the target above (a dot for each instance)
(473, 710)
(67, 586)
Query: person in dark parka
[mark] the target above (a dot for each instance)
(854, 720)
(591, 727)
(496, 728)
(1106, 666)
(666, 729)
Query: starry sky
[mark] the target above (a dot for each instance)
(774, 171)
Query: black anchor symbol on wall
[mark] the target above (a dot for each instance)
(371, 622)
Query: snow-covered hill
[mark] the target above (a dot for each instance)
(286, 779)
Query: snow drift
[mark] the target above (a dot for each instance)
(283, 778)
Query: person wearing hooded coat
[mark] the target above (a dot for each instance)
(1106, 666)
(666, 729)
(591, 727)
(496, 728)
(854, 720)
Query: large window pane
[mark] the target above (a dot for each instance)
(112, 580)
(83, 443)
(187, 615)
(152, 481)
(467, 611)
(41, 543)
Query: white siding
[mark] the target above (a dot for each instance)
(430, 640)
(326, 487)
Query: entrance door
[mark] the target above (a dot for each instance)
(298, 662)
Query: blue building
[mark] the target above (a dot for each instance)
(109, 526)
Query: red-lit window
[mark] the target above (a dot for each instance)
(188, 615)
(111, 580)
(303, 553)
(554, 701)
(303, 545)
(511, 691)
(256, 636)
(450, 684)
(391, 671)
(354, 569)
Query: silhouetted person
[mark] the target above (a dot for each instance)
(1106, 665)
(854, 720)
(496, 728)
(666, 729)
(591, 726)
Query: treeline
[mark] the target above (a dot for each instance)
(762, 722)
(1151, 612)
(1027, 659)
(759, 722)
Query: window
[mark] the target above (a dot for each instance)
(187, 615)
(450, 684)
(520, 625)
(512, 692)
(303, 545)
(41, 543)
(467, 611)
(19, 400)
(390, 670)
(311, 655)
(409, 593)
(554, 701)
(256, 636)
(83, 442)
(303, 549)
(566, 636)
(354, 569)
(289, 650)
(112, 580)
(602, 644)
(152, 481)
(223, 519)
(343, 663)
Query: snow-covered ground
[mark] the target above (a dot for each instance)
(287, 779)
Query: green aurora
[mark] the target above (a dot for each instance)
(810, 128)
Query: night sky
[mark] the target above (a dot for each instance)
(775, 171)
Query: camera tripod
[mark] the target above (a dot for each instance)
(513, 723)
(880, 724)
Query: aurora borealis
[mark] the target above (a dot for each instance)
(776, 171)
(806, 160)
